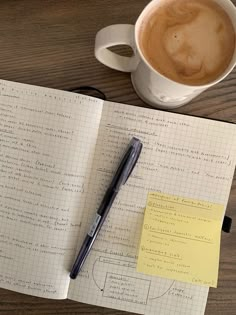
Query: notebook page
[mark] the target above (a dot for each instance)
(47, 142)
(182, 155)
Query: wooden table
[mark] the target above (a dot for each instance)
(50, 43)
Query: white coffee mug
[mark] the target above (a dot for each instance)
(151, 86)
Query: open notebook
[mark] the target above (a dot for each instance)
(59, 151)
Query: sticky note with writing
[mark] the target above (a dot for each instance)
(181, 239)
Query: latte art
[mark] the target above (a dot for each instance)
(188, 41)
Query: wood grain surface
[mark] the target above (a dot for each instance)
(51, 43)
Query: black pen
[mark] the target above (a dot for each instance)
(123, 172)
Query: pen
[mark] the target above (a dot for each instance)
(123, 172)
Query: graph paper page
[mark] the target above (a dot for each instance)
(47, 142)
(181, 155)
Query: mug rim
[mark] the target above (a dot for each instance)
(202, 86)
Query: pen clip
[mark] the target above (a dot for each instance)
(139, 149)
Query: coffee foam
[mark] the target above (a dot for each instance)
(188, 41)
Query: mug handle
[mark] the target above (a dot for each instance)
(119, 34)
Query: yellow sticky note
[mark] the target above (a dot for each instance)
(181, 239)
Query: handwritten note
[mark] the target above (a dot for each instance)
(44, 166)
(182, 154)
(181, 239)
(124, 288)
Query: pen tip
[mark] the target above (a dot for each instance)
(72, 276)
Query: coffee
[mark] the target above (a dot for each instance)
(188, 41)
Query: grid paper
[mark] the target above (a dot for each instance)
(58, 154)
(184, 156)
(47, 141)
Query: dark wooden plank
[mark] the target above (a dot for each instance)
(50, 43)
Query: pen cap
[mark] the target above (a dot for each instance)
(137, 150)
(129, 161)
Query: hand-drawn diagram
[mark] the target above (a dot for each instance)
(114, 283)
